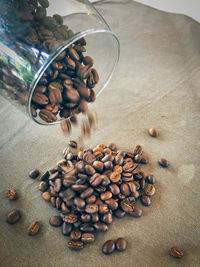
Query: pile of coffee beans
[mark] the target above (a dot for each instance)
(90, 187)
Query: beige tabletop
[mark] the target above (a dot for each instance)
(157, 83)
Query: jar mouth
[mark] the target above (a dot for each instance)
(59, 50)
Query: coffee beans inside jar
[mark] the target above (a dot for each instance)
(89, 195)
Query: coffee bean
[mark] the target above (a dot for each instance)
(43, 186)
(95, 179)
(75, 245)
(11, 194)
(114, 189)
(103, 208)
(89, 169)
(149, 190)
(108, 247)
(105, 196)
(107, 218)
(13, 216)
(101, 227)
(66, 126)
(121, 244)
(40, 99)
(47, 116)
(153, 132)
(146, 201)
(55, 221)
(79, 202)
(87, 238)
(46, 196)
(86, 193)
(88, 60)
(34, 174)
(176, 252)
(73, 144)
(33, 228)
(138, 150)
(119, 213)
(132, 187)
(115, 177)
(87, 228)
(124, 188)
(95, 217)
(85, 218)
(70, 218)
(119, 160)
(58, 184)
(66, 228)
(73, 54)
(151, 179)
(112, 203)
(45, 176)
(91, 208)
(163, 162)
(75, 235)
(91, 199)
(64, 208)
(127, 206)
(98, 165)
(137, 212)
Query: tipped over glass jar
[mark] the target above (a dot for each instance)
(55, 56)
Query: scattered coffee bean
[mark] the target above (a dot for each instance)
(108, 247)
(149, 190)
(13, 216)
(75, 235)
(72, 144)
(163, 162)
(46, 196)
(11, 194)
(34, 174)
(146, 201)
(176, 252)
(55, 221)
(153, 132)
(121, 244)
(33, 228)
(75, 245)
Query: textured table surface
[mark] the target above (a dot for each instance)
(157, 83)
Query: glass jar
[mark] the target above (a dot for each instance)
(34, 37)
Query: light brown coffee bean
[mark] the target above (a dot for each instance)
(33, 228)
(87, 238)
(46, 196)
(43, 186)
(176, 252)
(11, 194)
(149, 190)
(163, 162)
(153, 132)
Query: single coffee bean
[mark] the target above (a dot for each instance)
(124, 188)
(72, 53)
(115, 177)
(78, 187)
(101, 227)
(107, 218)
(138, 150)
(40, 99)
(118, 169)
(11, 194)
(163, 162)
(91, 208)
(66, 126)
(58, 203)
(153, 132)
(119, 213)
(105, 180)
(103, 208)
(86, 193)
(87, 238)
(89, 169)
(45, 176)
(75, 235)
(95, 217)
(112, 203)
(46, 196)
(95, 180)
(70, 218)
(137, 212)
(53, 201)
(86, 228)
(88, 60)
(58, 185)
(98, 165)
(72, 144)
(66, 228)
(108, 247)
(85, 218)
(34, 174)
(105, 196)
(13, 216)
(127, 206)
(114, 188)
(79, 202)
(119, 160)
(43, 186)
(55, 221)
(33, 228)
(132, 187)
(47, 115)
(75, 245)
(176, 252)
(151, 179)
(121, 244)
(146, 201)
(91, 199)
(149, 190)
(108, 165)
(44, 3)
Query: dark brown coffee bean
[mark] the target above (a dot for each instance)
(101, 227)
(87, 238)
(163, 162)
(91, 208)
(89, 157)
(115, 177)
(71, 64)
(132, 187)
(67, 194)
(47, 116)
(135, 194)
(46, 196)
(108, 165)
(58, 203)
(79, 202)
(33, 228)
(105, 180)
(11, 194)
(95, 180)
(88, 60)
(124, 188)
(112, 203)
(62, 55)
(105, 196)
(108, 247)
(66, 228)
(53, 201)
(64, 208)
(13, 216)
(151, 179)
(107, 218)
(127, 206)
(137, 185)
(89, 169)
(55, 96)
(121, 244)
(114, 189)
(72, 53)
(153, 132)
(103, 208)
(40, 99)
(138, 150)
(137, 212)
(98, 165)
(83, 71)
(58, 184)
(75, 235)
(75, 245)
(87, 228)
(146, 201)
(73, 144)
(34, 174)
(55, 221)
(78, 187)
(86, 193)
(119, 213)
(43, 186)
(149, 190)
(85, 218)
(91, 199)
(41, 89)
(45, 176)
(176, 252)
(119, 160)
(70, 218)
(127, 176)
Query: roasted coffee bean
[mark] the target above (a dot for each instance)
(107, 157)
(79, 202)
(98, 165)
(11, 194)
(70, 218)
(91, 199)
(163, 162)
(41, 89)
(91, 208)
(75, 235)
(86, 193)
(119, 160)
(105, 180)
(124, 188)
(13, 216)
(121, 196)
(34, 228)
(58, 202)
(75, 245)
(112, 203)
(95, 217)
(47, 116)
(79, 48)
(146, 201)
(40, 99)
(138, 150)
(45, 176)
(107, 218)
(72, 53)
(176, 252)
(151, 179)
(132, 187)
(88, 60)
(121, 244)
(114, 189)
(142, 184)
(119, 213)
(95, 180)
(103, 208)
(127, 206)
(73, 144)
(43, 186)
(62, 55)
(85, 218)
(137, 185)
(58, 184)
(55, 221)
(46, 196)
(87, 228)
(108, 247)
(67, 228)
(89, 169)
(153, 132)
(44, 3)
(78, 187)
(108, 165)
(87, 238)
(129, 166)
(34, 174)
(115, 177)
(105, 196)
(53, 201)
(137, 212)
(149, 190)
(101, 227)
(135, 194)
